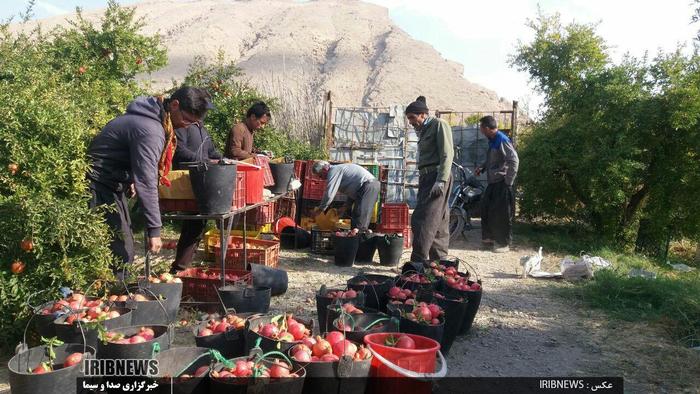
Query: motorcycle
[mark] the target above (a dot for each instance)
(464, 201)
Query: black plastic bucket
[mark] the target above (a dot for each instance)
(339, 377)
(274, 278)
(246, 298)
(148, 312)
(375, 295)
(366, 248)
(267, 344)
(390, 248)
(257, 385)
(435, 332)
(322, 303)
(182, 361)
(44, 323)
(411, 267)
(163, 336)
(230, 343)
(473, 301)
(60, 381)
(71, 333)
(287, 238)
(213, 186)
(282, 173)
(361, 321)
(171, 292)
(454, 316)
(345, 250)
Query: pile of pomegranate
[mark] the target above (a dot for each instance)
(328, 349)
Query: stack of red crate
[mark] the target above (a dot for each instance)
(315, 186)
(395, 219)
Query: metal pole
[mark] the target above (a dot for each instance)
(223, 239)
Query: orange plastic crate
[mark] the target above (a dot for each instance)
(260, 251)
(202, 289)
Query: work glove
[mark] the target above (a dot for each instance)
(438, 189)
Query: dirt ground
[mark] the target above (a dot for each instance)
(521, 329)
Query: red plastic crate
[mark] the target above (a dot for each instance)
(239, 194)
(204, 289)
(287, 206)
(260, 251)
(314, 188)
(263, 214)
(300, 169)
(254, 185)
(394, 215)
(264, 163)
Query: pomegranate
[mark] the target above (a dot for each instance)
(279, 369)
(72, 360)
(344, 348)
(405, 342)
(297, 330)
(334, 336)
(321, 347)
(269, 330)
(201, 371)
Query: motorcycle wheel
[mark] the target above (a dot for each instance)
(457, 222)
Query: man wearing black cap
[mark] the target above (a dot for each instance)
(430, 220)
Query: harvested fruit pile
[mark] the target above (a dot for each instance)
(287, 330)
(329, 349)
(144, 334)
(262, 369)
(216, 326)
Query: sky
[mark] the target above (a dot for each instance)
(482, 35)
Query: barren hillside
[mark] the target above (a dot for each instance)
(349, 47)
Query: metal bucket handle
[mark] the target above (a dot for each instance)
(171, 326)
(460, 262)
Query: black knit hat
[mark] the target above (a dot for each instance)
(418, 107)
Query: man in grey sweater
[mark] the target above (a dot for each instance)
(358, 184)
(501, 168)
(130, 155)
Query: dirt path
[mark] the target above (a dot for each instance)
(522, 328)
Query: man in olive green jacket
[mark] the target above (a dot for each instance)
(431, 218)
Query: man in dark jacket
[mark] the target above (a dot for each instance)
(430, 222)
(131, 154)
(193, 145)
(501, 168)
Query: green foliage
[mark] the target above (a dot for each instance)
(671, 300)
(57, 89)
(617, 142)
(232, 97)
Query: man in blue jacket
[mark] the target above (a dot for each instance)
(501, 168)
(131, 155)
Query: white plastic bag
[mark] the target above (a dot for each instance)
(576, 269)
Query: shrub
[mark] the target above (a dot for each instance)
(57, 90)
